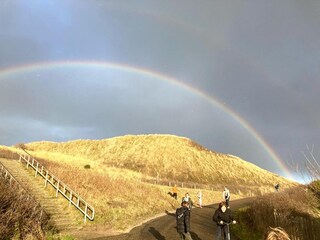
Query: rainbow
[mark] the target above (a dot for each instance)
(162, 77)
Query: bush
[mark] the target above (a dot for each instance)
(294, 210)
(87, 166)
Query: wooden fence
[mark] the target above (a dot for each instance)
(298, 226)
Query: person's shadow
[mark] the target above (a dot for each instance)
(156, 234)
(195, 236)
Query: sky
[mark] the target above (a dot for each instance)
(238, 77)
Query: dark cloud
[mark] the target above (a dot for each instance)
(261, 59)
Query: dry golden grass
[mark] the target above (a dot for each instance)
(21, 217)
(163, 156)
(109, 174)
(295, 209)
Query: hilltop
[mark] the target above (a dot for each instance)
(163, 156)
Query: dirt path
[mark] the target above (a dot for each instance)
(163, 228)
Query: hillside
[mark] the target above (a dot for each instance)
(111, 174)
(163, 156)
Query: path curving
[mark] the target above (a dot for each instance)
(164, 228)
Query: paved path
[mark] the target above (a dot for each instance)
(163, 228)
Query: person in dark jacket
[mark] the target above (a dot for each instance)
(183, 221)
(222, 216)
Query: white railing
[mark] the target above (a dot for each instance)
(60, 187)
(4, 172)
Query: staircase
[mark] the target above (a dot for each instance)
(62, 216)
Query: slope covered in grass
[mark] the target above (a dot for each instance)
(163, 156)
(110, 174)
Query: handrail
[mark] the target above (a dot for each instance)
(60, 187)
(4, 172)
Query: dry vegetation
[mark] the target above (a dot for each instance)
(163, 156)
(21, 217)
(297, 210)
(110, 174)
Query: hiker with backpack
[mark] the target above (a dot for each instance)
(223, 217)
(183, 221)
(226, 196)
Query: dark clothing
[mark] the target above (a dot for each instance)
(222, 216)
(175, 195)
(227, 201)
(183, 219)
(222, 229)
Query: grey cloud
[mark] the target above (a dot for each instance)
(260, 58)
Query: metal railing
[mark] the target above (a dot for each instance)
(5, 173)
(60, 187)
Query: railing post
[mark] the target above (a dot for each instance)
(70, 198)
(37, 169)
(58, 188)
(45, 183)
(85, 213)
(28, 162)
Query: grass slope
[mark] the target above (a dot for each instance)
(109, 173)
(164, 156)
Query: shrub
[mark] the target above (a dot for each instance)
(87, 166)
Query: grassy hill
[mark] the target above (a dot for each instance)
(110, 174)
(163, 156)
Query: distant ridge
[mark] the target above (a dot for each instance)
(165, 156)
